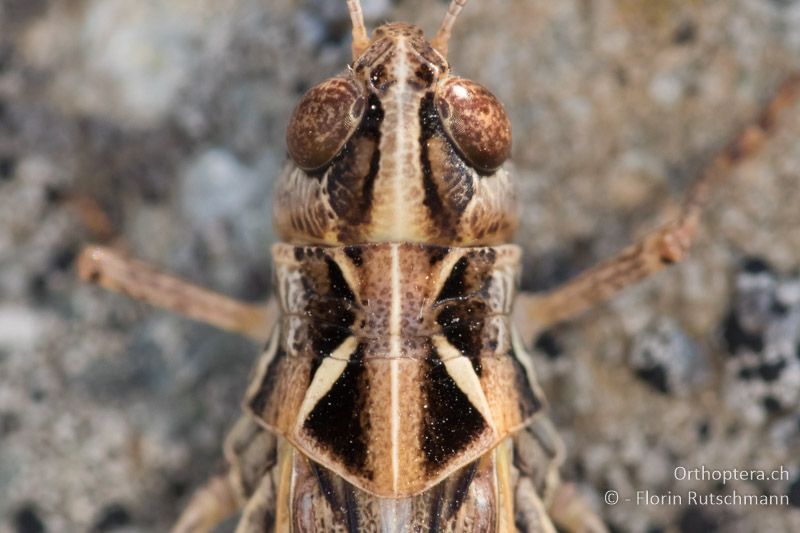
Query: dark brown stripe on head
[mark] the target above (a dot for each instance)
(351, 178)
(339, 422)
(446, 178)
(351, 182)
(450, 422)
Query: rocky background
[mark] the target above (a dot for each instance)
(157, 126)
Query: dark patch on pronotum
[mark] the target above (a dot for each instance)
(330, 316)
(356, 255)
(327, 336)
(450, 422)
(436, 254)
(339, 420)
(339, 286)
(455, 285)
(298, 253)
(462, 324)
(489, 254)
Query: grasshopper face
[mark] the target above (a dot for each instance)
(396, 149)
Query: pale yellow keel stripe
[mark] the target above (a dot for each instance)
(326, 375)
(394, 337)
(459, 368)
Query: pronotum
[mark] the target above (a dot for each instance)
(395, 393)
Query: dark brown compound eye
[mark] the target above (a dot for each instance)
(323, 121)
(476, 123)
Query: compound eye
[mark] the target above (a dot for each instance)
(476, 123)
(323, 121)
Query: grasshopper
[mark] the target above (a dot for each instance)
(395, 392)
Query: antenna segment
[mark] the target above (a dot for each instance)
(443, 35)
(360, 38)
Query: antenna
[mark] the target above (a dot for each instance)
(360, 38)
(443, 35)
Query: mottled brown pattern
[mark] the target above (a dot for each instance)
(476, 122)
(343, 296)
(306, 297)
(323, 121)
